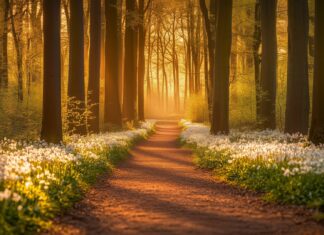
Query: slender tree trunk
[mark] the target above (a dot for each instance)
(175, 68)
(130, 74)
(120, 50)
(297, 109)
(206, 73)
(86, 31)
(197, 56)
(76, 88)
(220, 123)
(317, 128)
(148, 67)
(158, 64)
(112, 103)
(209, 28)
(141, 61)
(52, 121)
(36, 40)
(94, 64)
(165, 94)
(257, 57)
(18, 47)
(4, 9)
(189, 48)
(177, 85)
(269, 64)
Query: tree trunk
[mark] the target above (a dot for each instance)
(112, 103)
(120, 50)
(130, 74)
(158, 64)
(209, 28)
(94, 64)
(52, 121)
(269, 64)
(148, 67)
(220, 122)
(257, 57)
(76, 70)
(141, 61)
(297, 109)
(4, 9)
(18, 47)
(317, 128)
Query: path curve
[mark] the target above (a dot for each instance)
(159, 191)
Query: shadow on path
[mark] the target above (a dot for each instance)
(159, 191)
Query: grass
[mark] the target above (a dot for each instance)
(42, 200)
(266, 177)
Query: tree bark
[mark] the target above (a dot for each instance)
(257, 57)
(112, 103)
(94, 64)
(76, 88)
(4, 8)
(18, 47)
(211, 48)
(317, 128)
(52, 121)
(130, 74)
(220, 122)
(297, 109)
(268, 80)
(141, 61)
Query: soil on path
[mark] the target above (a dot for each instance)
(159, 191)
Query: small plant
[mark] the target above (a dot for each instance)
(75, 114)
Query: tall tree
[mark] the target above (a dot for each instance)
(220, 112)
(17, 32)
(209, 28)
(317, 128)
(94, 64)
(51, 121)
(268, 11)
(257, 56)
(112, 103)
(141, 59)
(297, 109)
(76, 90)
(4, 9)
(130, 64)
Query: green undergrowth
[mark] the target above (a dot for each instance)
(39, 204)
(265, 176)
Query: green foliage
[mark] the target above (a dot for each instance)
(265, 176)
(40, 202)
(75, 114)
(197, 109)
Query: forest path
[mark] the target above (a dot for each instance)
(159, 191)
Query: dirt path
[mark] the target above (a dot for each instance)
(159, 191)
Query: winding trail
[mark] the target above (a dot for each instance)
(159, 191)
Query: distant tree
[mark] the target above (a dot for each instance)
(4, 10)
(130, 62)
(76, 88)
(297, 109)
(16, 20)
(51, 121)
(112, 103)
(268, 64)
(220, 112)
(317, 128)
(94, 64)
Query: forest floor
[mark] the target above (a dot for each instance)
(159, 191)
